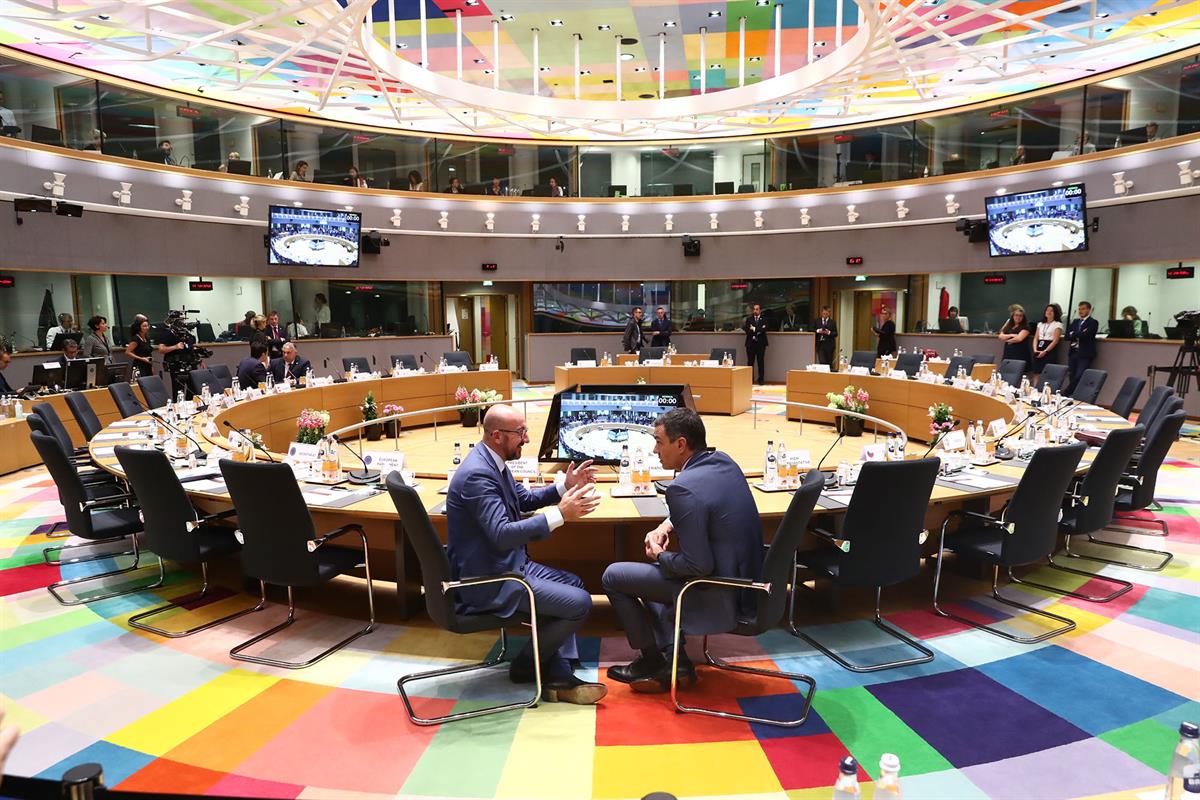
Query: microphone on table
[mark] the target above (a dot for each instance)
(372, 359)
(1003, 453)
(829, 481)
(938, 439)
(365, 475)
(199, 451)
(423, 354)
(249, 434)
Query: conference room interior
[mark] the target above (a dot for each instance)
(212, 626)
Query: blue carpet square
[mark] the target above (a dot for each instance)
(971, 719)
(1087, 693)
(118, 762)
(782, 706)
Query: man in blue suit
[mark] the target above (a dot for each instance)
(290, 365)
(660, 327)
(1082, 349)
(488, 533)
(253, 369)
(715, 522)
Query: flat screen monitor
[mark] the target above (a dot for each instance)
(314, 237)
(46, 374)
(85, 373)
(618, 190)
(595, 421)
(61, 338)
(950, 325)
(238, 167)
(1044, 221)
(723, 187)
(1121, 329)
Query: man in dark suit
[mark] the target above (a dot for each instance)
(290, 365)
(275, 335)
(5, 388)
(69, 353)
(716, 525)
(253, 369)
(756, 340)
(826, 330)
(489, 532)
(634, 339)
(1082, 338)
(660, 327)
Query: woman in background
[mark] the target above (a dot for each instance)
(356, 180)
(1048, 334)
(138, 351)
(886, 331)
(1140, 326)
(95, 344)
(415, 184)
(1015, 335)
(259, 332)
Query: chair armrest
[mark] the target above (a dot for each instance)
(733, 583)
(824, 534)
(191, 526)
(513, 577)
(100, 502)
(313, 544)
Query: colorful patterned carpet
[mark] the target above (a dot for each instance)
(1092, 713)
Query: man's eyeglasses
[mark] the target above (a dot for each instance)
(522, 432)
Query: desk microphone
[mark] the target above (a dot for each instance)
(372, 359)
(199, 451)
(249, 434)
(1003, 453)
(938, 440)
(364, 475)
(423, 354)
(827, 452)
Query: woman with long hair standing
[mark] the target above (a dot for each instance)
(1015, 335)
(1048, 334)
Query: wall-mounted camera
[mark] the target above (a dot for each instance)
(691, 246)
(976, 230)
(372, 243)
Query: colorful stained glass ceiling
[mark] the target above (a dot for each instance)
(597, 69)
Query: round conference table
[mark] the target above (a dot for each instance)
(616, 529)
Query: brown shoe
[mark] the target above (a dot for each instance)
(573, 690)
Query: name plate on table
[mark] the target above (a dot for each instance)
(997, 428)
(362, 376)
(523, 467)
(874, 452)
(959, 383)
(803, 458)
(489, 367)
(954, 440)
(586, 362)
(817, 368)
(302, 453)
(386, 463)
(898, 374)
(859, 371)
(709, 362)
(652, 362)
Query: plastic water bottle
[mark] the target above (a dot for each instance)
(843, 364)
(308, 377)
(641, 474)
(625, 476)
(891, 447)
(846, 787)
(781, 465)
(454, 462)
(1185, 760)
(770, 467)
(888, 784)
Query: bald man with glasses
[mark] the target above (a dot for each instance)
(490, 522)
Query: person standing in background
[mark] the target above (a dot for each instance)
(5, 388)
(95, 344)
(1045, 341)
(660, 326)
(66, 324)
(296, 329)
(826, 330)
(634, 339)
(415, 183)
(886, 331)
(138, 351)
(275, 335)
(1082, 337)
(259, 335)
(320, 311)
(1015, 335)
(756, 340)
(790, 321)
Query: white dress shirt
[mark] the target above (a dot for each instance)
(554, 517)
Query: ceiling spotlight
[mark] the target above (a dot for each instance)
(714, 14)
(472, 3)
(507, 17)
(556, 23)
(78, 27)
(820, 44)
(1102, 15)
(543, 69)
(755, 59)
(670, 23)
(604, 27)
(942, 17)
(489, 71)
(402, 45)
(104, 17)
(714, 66)
(585, 72)
(627, 56)
(761, 3)
(481, 61)
(301, 22)
(639, 69)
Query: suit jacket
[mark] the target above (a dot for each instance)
(280, 368)
(275, 339)
(4, 386)
(661, 330)
(757, 337)
(488, 533)
(718, 532)
(1082, 336)
(634, 339)
(791, 323)
(251, 372)
(829, 325)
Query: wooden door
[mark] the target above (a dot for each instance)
(864, 339)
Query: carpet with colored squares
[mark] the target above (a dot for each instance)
(1092, 713)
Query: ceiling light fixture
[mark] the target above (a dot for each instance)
(627, 56)
(506, 17)
(670, 23)
(714, 14)
(556, 23)
(604, 27)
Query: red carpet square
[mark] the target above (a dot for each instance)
(24, 579)
(807, 762)
(163, 772)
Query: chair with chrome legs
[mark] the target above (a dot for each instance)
(84, 414)
(92, 477)
(1025, 532)
(1158, 395)
(777, 564)
(1056, 375)
(127, 402)
(280, 546)
(174, 531)
(89, 519)
(97, 484)
(439, 602)
(883, 525)
(56, 428)
(155, 390)
(1127, 396)
(1089, 386)
(1089, 508)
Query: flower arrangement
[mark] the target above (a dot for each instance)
(391, 408)
(369, 409)
(941, 419)
(310, 426)
(850, 399)
(464, 396)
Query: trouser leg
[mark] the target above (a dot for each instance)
(644, 600)
(562, 606)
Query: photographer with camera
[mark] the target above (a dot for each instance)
(179, 351)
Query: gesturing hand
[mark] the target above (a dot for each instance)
(581, 474)
(578, 502)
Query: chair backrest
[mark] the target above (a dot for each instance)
(884, 521)
(582, 354)
(1099, 486)
(126, 400)
(909, 363)
(1090, 384)
(66, 478)
(966, 362)
(405, 361)
(1055, 376)
(274, 520)
(984, 358)
(166, 510)
(1158, 443)
(863, 358)
(223, 375)
(55, 426)
(359, 362)
(1035, 505)
(717, 353)
(1150, 411)
(154, 390)
(199, 378)
(435, 565)
(1011, 371)
(1127, 397)
(650, 353)
(777, 566)
(82, 410)
(458, 358)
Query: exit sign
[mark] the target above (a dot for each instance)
(995, 280)
(7, 282)
(200, 286)
(489, 267)
(187, 112)
(1180, 272)
(739, 285)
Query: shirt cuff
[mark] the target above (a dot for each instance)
(554, 517)
(560, 483)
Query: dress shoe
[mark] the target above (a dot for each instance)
(573, 690)
(640, 668)
(660, 681)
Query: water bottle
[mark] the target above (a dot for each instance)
(454, 463)
(1029, 433)
(781, 465)
(641, 474)
(771, 467)
(308, 377)
(1184, 761)
(205, 394)
(843, 364)
(891, 447)
(901, 442)
(625, 476)
(888, 785)
(846, 787)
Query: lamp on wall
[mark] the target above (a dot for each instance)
(758, 219)
(124, 195)
(951, 206)
(535, 222)
(581, 222)
(851, 214)
(444, 220)
(490, 222)
(185, 200)
(396, 213)
(712, 221)
(59, 186)
(901, 210)
(804, 217)
(243, 206)
(624, 223)
(1120, 185)
(347, 208)
(1186, 173)
(668, 222)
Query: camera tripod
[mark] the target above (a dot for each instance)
(1187, 364)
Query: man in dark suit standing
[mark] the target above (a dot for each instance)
(290, 365)
(634, 339)
(275, 335)
(716, 525)
(253, 369)
(1082, 338)
(756, 340)
(660, 326)
(489, 533)
(826, 330)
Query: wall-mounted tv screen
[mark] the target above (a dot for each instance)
(314, 237)
(1046, 221)
(596, 421)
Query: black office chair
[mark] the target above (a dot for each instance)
(984, 358)
(439, 602)
(582, 354)
(1136, 492)
(1088, 509)
(884, 524)
(126, 400)
(55, 427)
(1011, 371)
(96, 482)
(154, 390)
(1056, 375)
(280, 546)
(405, 361)
(458, 358)
(90, 518)
(909, 363)
(84, 414)
(1025, 532)
(199, 378)
(650, 354)
(863, 358)
(769, 606)
(174, 531)
(1128, 395)
(223, 375)
(356, 362)
(1090, 384)
(718, 353)
(966, 362)
(1150, 411)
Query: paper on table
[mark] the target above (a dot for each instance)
(119, 437)
(979, 481)
(211, 486)
(131, 423)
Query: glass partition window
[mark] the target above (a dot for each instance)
(1153, 299)
(40, 105)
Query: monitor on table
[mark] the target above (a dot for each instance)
(595, 421)
(85, 373)
(1121, 329)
